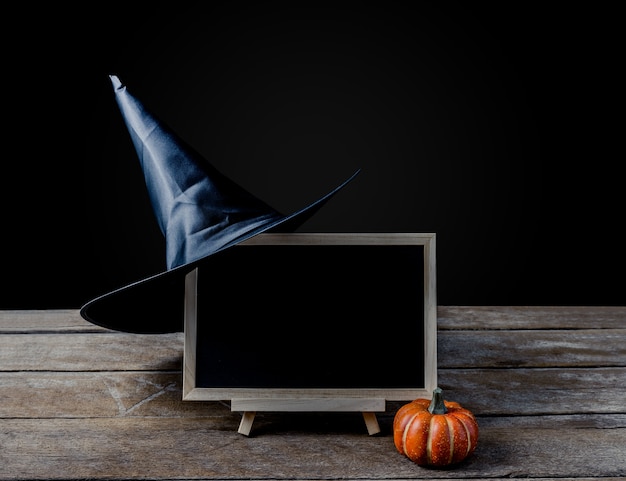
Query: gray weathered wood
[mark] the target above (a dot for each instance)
(154, 393)
(531, 317)
(543, 348)
(448, 317)
(456, 349)
(32, 321)
(150, 448)
(90, 351)
(547, 385)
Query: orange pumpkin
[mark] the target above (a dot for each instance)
(435, 432)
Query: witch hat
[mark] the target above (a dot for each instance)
(200, 212)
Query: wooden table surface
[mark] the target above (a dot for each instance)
(547, 384)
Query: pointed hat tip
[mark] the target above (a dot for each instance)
(115, 81)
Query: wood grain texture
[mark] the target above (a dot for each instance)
(531, 317)
(456, 349)
(90, 352)
(79, 402)
(169, 448)
(530, 348)
(152, 393)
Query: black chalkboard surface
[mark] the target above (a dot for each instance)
(311, 316)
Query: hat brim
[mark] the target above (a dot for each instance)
(155, 305)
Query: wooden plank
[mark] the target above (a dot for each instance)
(100, 394)
(108, 351)
(471, 349)
(537, 391)
(148, 448)
(301, 404)
(56, 320)
(531, 317)
(557, 422)
(487, 392)
(532, 348)
(448, 317)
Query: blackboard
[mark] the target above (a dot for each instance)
(313, 316)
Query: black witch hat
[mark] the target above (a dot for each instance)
(200, 212)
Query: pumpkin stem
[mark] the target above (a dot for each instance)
(437, 406)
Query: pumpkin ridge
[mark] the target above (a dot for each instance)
(469, 423)
(429, 442)
(406, 431)
(467, 433)
(451, 438)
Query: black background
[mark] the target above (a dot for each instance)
(494, 125)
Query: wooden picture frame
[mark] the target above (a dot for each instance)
(355, 319)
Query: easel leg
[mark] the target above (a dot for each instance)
(246, 422)
(371, 422)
